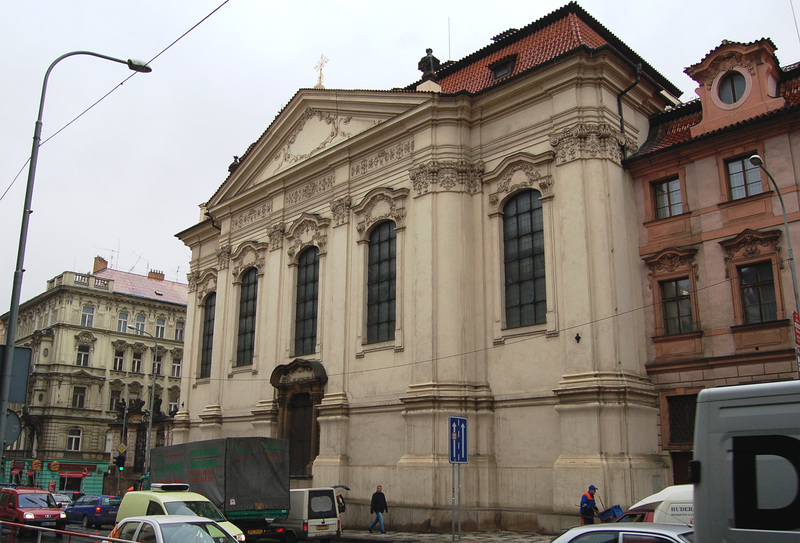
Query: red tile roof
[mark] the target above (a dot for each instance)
(673, 127)
(555, 39)
(142, 286)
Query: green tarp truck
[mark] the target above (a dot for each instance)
(247, 478)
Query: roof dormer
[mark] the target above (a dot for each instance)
(738, 81)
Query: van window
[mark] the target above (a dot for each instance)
(197, 508)
(321, 504)
(154, 508)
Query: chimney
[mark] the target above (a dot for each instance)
(155, 274)
(100, 264)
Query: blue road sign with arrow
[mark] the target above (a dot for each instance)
(458, 440)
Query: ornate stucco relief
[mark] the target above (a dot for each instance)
(379, 205)
(591, 140)
(310, 189)
(85, 339)
(276, 233)
(727, 62)
(447, 175)
(341, 211)
(519, 176)
(252, 215)
(752, 244)
(382, 158)
(249, 254)
(306, 231)
(288, 156)
(224, 257)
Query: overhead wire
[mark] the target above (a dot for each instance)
(106, 95)
(565, 330)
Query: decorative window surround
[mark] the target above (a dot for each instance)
(379, 205)
(516, 173)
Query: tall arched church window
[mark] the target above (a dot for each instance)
(247, 318)
(381, 276)
(209, 310)
(523, 260)
(305, 324)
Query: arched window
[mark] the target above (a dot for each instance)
(247, 318)
(74, 439)
(381, 275)
(305, 321)
(208, 335)
(523, 251)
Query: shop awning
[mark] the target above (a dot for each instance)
(71, 475)
(15, 471)
(30, 472)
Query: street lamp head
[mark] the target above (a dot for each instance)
(139, 66)
(756, 160)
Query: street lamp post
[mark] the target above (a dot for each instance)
(11, 330)
(152, 399)
(756, 160)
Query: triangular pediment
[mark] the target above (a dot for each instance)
(316, 122)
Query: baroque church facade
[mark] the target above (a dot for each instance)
(379, 261)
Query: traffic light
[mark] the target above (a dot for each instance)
(119, 461)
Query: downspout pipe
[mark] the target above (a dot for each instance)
(619, 101)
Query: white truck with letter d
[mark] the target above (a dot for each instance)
(746, 466)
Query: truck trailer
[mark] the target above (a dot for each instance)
(247, 478)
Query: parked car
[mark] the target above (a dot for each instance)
(171, 529)
(673, 505)
(62, 499)
(31, 506)
(94, 510)
(610, 533)
(173, 499)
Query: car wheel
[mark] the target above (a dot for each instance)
(85, 521)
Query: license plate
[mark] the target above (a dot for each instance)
(322, 527)
(48, 523)
(254, 532)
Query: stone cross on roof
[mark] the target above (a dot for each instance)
(323, 60)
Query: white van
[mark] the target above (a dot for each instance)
(673, 505)
(746, 466)
(313, 515)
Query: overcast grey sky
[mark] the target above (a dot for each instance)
(123, 179)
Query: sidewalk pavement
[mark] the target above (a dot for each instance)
(363, 536)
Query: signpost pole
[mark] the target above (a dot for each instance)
(453, 500)
(457, 427)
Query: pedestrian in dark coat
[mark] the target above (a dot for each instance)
(378, 506)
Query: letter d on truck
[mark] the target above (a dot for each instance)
(746, 468)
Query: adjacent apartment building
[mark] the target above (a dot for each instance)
(381, 260)
(93, 338)
(715, 261)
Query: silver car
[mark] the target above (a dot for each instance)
(171, 529)
(628, 532)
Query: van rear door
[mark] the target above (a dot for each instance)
(323, 515)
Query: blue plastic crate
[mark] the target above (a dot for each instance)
(611, 513)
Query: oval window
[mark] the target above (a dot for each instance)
(732, 87)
